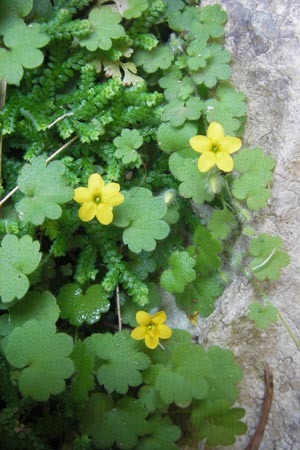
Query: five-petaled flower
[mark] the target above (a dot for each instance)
(215, 148)
(151, 328)
(98, 199)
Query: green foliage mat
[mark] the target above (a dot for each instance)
(118, 89)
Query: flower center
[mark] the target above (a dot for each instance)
(151, 328)
(97, 198)
(215, 148)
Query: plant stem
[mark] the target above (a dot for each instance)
(3, 85)
(296, 342)
(118, 308)
(16, 188)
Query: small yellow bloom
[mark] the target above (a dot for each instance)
(98, 199)
(215, 148)
(151, 328)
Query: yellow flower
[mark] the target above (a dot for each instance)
(151, 328)
(98, 199)
(215, 148)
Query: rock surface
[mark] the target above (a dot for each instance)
(263, 37)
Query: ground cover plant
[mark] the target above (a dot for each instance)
(123, 173)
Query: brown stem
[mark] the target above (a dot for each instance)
(256, 439)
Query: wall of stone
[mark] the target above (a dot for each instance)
(263, 37)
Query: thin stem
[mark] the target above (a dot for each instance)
(118, 308)
(16, 188)
(67, 114)
(63, 147)
(3, 86)
(296, 342)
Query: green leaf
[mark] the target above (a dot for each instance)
(175, 87)
(181, 272)
(22, 44)
(112, 423)
(105, 27)
(18, 258)
(213, 18)
(141, 215)
(177, 112)
(161, 434)
(221, 223)
(43, 356)
(206, 251)
(269, 259)
(158, 58)
(184, 378)
(126, 145)
(171, 139)
(193, 183)
(11, 13)
(135, 8)
(41, 307)
(256, 173)
(218, 423)
(228, 108)
(224, 376)
(263, 315)
(121, 362)
(188, 21)
(198, 53)
(200, 295)
(216, 67)
(151, 399)
(83, 380)
(78, 307)
(44, 188)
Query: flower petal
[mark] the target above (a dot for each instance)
(159, 317)
(82, 195)
(215, 133)
(104, 214)
(230, 144)
(206, 161)
(95, 183)
(224, 161)
(151, 341)
(143, 318)
(201, 144)
(87, 211)
(139, 332)
(163, 331)
(110, 194)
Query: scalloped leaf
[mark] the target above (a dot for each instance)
(218, 423)
(110, 423)
(120, 361)
(18, 258)
(193, 183)
(141, 215)
(269, 259)
(22, 50)
(105, 27)
(181, 272)
(255, 174)
(44, 188)
(78, 307)
(43, 356)
(263, 315)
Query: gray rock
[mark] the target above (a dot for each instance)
(263, 36)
